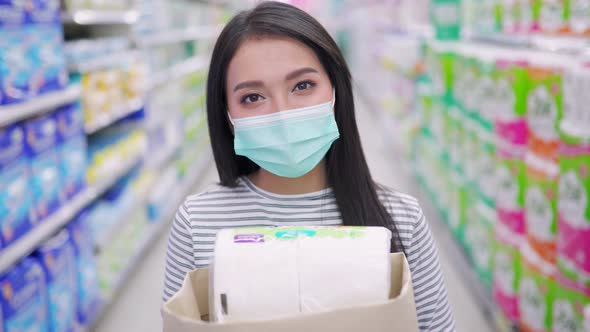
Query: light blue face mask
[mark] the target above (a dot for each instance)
(288, 143)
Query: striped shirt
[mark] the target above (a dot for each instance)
(192, 236)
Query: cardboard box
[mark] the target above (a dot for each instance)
(188, 310)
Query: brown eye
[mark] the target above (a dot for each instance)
(251, 98)
(303, 86)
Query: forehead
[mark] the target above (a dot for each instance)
(267, 57)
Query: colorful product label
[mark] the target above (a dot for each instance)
(58, 261)
(73, 166)
(533, 302)
(16, 67)
(550, 15)
(579, 16)
(568, 306)
(264, 234)
(541, 212)
(575, 125)
(480, 235)
(511, 179)
(46, 183)
(23, 298)
(544, 111)
(506, 279)
(574, 212)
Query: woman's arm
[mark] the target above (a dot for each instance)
(179, 258)
(432, 306)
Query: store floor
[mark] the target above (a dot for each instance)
(137, 308)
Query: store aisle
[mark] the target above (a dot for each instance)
(137, 308)
(387, 169)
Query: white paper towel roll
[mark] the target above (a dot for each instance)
(253, 277)
(344, 270)
(264, 273)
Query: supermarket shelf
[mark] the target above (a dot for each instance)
(105, 61)
(179, 35)
(162, 159)
(446, 240)
(29, 242)
(544, 43)
(179, 70)
(100, 17)
(38, 105)
(108, 119)
(152, 235)
(107, 237)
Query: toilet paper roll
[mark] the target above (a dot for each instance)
(344, 267)
(265, 273)
(253, 276)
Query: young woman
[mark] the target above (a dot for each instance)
(282, 123)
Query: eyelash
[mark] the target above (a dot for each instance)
(309, 84)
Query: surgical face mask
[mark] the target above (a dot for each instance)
(288, 143)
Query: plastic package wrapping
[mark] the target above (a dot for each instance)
(267, 273)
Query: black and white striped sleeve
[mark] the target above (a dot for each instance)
(179, 258)
(432, 306)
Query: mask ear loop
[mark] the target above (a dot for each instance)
(230, 119)
(333, 97)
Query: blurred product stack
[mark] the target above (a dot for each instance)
(486, 101)
(101, 138)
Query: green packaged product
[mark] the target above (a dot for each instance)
(567, 309)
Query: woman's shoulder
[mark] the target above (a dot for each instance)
(218, 194)
(404, 209)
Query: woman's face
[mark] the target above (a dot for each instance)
(269, 75)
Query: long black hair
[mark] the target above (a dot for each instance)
(347, 170)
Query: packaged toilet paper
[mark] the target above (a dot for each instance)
(16, 204)
(507, 271)
(263, 273)
(544, 111)
(510, 102)
(541, 205)
(535, 293)
(579, 17)
(575, 124)
(23, 298)
(479, 234)
(72, 149)
(511, 136)
(86, 269)
(567, 309)
(573, 230)
(511, 180)
(58, 261)
(47, 56)
(487, 168)
(41, 144)
(551, 16)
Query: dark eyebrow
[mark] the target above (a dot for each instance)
(299, 72)
(290, 76)
(248, 84)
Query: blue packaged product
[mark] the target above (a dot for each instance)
(72, 149)
(87, 274)
(44, 11)
(24, 298)
(16, 65)
(41, 133)
(13, 13)
(70, 121)
(58, 261)
(17, 213)
(47, 57)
